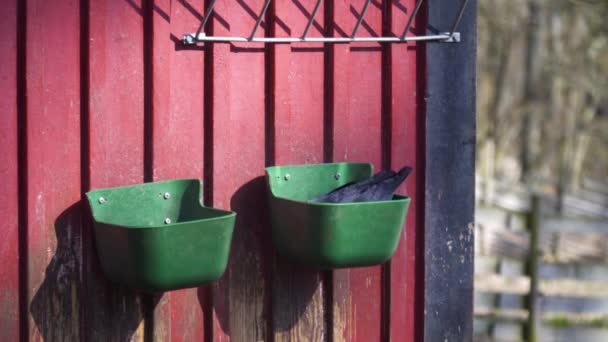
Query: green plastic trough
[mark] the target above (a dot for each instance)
(331, 235)
(157, 236)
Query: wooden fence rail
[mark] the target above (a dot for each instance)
(551, 247)
(555, 247)
(516, 198)
(520, 285)
(564, 319)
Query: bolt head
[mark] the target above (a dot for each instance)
(102, 200)
(167, 220)
(338, 175)
(287, 177)
(166, 195)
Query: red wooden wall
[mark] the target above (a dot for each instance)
(101, 93)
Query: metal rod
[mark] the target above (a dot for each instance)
(411, 19)
(260, 18)
(205, 18)
(360, 18)
(445, 37)
(459, 18)
(312, 19)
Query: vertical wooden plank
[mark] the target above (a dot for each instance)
(357, 136)
(298, 310)
(116, 149)
(9, 211)
(53, 170)
(404, 77)
(177, 141)
(449, 176)
(240, 298)
(238, 137)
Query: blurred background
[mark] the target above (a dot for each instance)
(542, 171)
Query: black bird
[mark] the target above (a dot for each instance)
(380, 187)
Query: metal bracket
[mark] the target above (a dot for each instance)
(445, 37)
(454, 37)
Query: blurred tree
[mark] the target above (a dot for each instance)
(543, 92)
(532, 88)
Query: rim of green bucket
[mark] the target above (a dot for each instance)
(91, 200)
(321, 164)
(396, 197)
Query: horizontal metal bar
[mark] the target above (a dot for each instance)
(443, 37)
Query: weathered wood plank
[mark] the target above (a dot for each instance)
(494, 283)
(404, 75)
(493, 241)
(241, 298)
(298, 310)
(512, 315)
(9, 186)
(573, 247)
(515, 198)
(53, 171)
(116, 149)
(357, 124)
(177, 141)
(560, 319)
(450, 181)
(556, 247)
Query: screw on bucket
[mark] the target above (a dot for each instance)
(337, 175)
(167, 221)
(287, 177)
(166, 195)
(102, 200)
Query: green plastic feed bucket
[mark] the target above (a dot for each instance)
(157, 236)
(331, 235)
